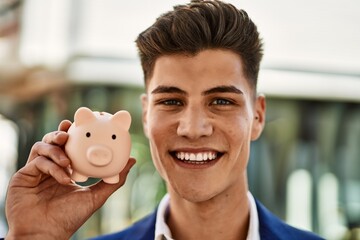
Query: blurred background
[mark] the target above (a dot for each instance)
(58, 55)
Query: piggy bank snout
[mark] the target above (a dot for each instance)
(99, 155)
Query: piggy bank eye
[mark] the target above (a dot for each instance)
(88, 134)
(113, 136)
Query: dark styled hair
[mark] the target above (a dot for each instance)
(200, 25)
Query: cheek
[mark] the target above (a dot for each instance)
(156, 134)
(161, 126)
(156, 159)
(239, 137)
(239, 129)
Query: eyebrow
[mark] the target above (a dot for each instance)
(218, 89)
(223, 89)
(168, 89)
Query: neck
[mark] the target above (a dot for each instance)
(225, 216)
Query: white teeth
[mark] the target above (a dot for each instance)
(196, 157)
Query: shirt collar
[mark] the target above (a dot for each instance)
(162, 230)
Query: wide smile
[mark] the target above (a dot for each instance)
(196, 157)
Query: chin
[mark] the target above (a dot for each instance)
(195, 195)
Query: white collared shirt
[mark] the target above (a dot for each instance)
(162, 230)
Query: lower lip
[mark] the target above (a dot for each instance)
(203, 165)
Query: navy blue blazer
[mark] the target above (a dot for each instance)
(270, 227)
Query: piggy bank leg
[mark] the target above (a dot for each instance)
(77, 177)
(112, 180)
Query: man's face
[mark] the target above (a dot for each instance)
(200, 117)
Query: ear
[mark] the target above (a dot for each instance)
(259, 117)
(122, 118)
(83, 115)
(144, 103)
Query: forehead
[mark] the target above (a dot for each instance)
(208, 68)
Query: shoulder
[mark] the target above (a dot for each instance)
(144, 229)
(271, 227)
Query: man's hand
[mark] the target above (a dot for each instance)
(42, 201)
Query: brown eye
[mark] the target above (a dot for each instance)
(113, 136)
(88, 134)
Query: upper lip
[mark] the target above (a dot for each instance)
(194, 150)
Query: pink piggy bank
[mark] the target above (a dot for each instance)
(99, 144)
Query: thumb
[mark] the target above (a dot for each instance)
(101, 191)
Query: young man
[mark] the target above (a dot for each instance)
(200, 113)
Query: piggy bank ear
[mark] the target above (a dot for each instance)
(83, 115)
(122, 118)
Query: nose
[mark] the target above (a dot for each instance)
(194, 123)
(99, 155)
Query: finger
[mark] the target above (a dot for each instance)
(64, 125)
(56, 138)
(50, 152)
(102, 191)
(31, 174)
